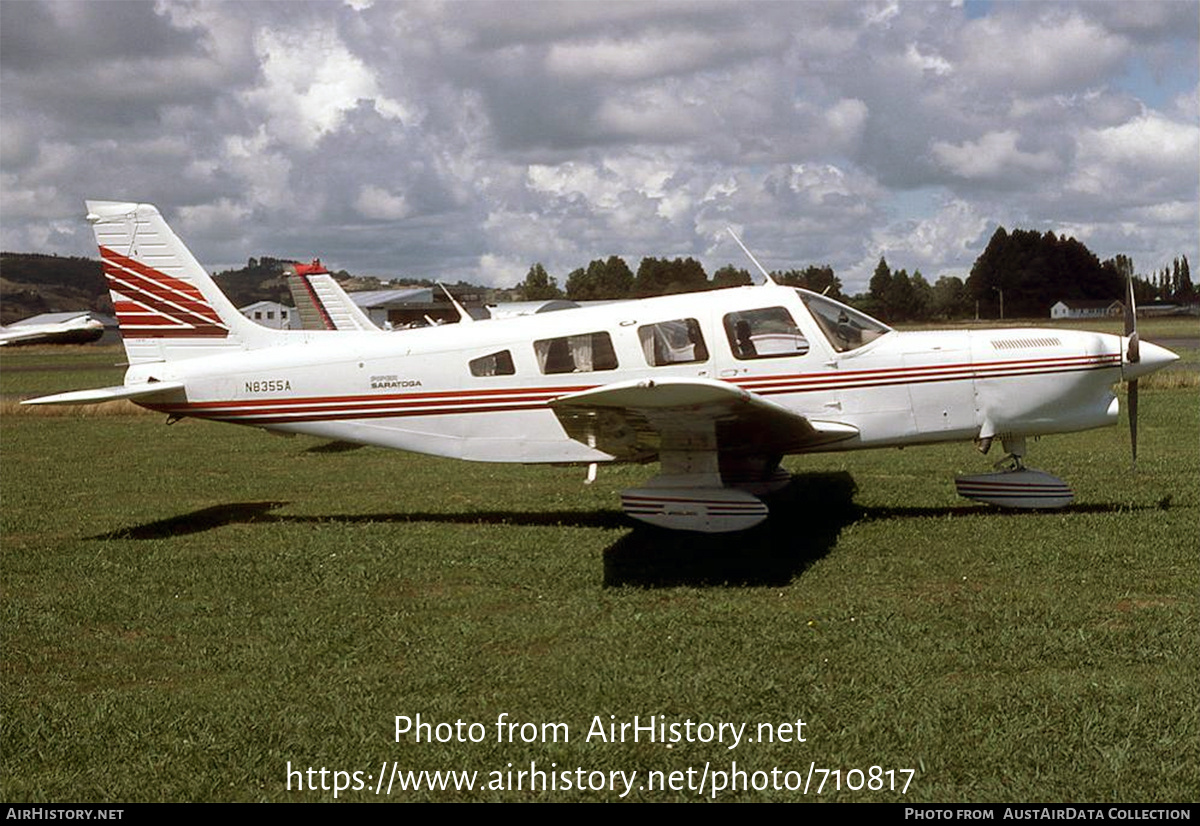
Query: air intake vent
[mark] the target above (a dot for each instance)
(1025, 343)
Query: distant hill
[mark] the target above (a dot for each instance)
(32, 284)
(262, 279)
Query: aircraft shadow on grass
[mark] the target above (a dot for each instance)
(807, 518)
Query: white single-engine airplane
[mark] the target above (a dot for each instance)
(716, 386)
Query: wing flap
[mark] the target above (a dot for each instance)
(637, 420)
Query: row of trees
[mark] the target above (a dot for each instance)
(898, 296)
(1172, 285)
(612, 279)
(1024, 270)
(1032, 271)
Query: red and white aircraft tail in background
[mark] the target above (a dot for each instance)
(321, 302)
(716, 386)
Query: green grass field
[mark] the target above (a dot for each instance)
(187, 610)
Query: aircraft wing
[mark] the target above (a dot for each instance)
(139, 392)
(637, 420)
(76, 331)
(13, 335)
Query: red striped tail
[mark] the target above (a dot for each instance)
(168, 307)
(152, 304)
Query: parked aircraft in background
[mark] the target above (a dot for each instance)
(321, 301)
(324, 305)
(53, 328)
(716, 386)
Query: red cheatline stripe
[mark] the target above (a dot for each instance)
(317, 408)
(422, 407)
(373, 400)
(805, 383)
(446, 395)
(335, 415)
(952, 370)
(552, 392)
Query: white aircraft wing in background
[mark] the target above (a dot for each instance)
(78, 330)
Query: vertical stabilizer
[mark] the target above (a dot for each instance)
(167, 306)
(321, 301)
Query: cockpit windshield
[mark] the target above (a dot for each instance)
(845, 327)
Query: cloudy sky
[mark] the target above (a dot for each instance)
(470, 139)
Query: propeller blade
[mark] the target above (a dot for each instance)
(1133, 407)
(1133, 355)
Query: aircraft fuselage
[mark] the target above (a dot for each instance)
(482, 393)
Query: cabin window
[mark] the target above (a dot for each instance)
(576, 354)
(673, 342)
(767, 333)
(845, 327)
(494, 364)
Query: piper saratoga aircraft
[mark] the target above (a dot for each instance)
(716, 386)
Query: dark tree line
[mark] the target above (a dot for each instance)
(613, 279)
(1172, 285)
(1034, 270)
(1027, 270)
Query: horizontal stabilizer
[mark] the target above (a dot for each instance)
(133, 392)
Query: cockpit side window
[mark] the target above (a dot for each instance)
(767, 333)
(673, 342)
(845, 327)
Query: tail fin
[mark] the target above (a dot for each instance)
(167, 306)
(321, 301)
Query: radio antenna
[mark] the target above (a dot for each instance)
(750, 255)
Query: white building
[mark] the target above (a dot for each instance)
(1073, 308)
(272, 314)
